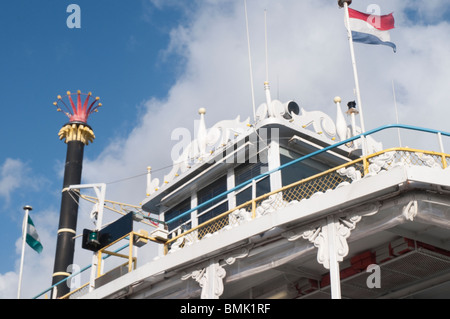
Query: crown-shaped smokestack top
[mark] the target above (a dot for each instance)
(78, 112)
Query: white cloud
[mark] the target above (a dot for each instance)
(12, 176)
(8, 285)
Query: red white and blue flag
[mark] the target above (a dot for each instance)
(371, 29)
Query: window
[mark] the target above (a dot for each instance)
(246, 171)
(300, 170)
(175, 211)
(216, 188)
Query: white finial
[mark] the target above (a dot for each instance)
(270, 108)
(201, 135)
(149, 181)
(341, 125)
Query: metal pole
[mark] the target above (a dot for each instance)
(396, 113)
(250, 61)
(355, 74)
(24, 238)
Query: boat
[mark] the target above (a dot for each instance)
(294, 204)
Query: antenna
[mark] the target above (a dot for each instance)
(265, 37)
(270, 109)
(396, 113)
(250, 61)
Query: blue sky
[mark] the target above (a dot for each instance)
(116, 54)
(153, 63)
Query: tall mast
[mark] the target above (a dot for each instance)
(344, 4)
(76, 134)
(270, 109)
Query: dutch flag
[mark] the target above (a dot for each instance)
(371, 29)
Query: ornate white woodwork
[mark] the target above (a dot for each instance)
(428, 160)
(321, 122)
(318, 234)
(210, 275)
(269, 205)
(382, 161)
(209, 141)
(350, 172)
(203, 146)
(210, 279)
(410, 210)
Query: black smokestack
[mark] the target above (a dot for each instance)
(76, 134)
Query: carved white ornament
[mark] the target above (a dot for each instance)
(382, 161)
(210, 276)
(269, 205)
(318, 234)
(219, 135)
(428, 160)
(210, 280)
(410, 210)
(321, 122)
(350, 172)
(201, 148)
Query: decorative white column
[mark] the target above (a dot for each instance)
(273, 157)
(209, 279)
(335, 280)
(202, 133)
(341, 125)
(210, 275)
(330, 237)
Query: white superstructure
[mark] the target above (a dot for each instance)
(287, 207)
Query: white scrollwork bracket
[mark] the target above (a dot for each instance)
(210, 276)
(231, 259)
(318, 234)
(210, 280)
(410, 210)
(381, 162)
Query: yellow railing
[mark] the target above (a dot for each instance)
(328, 180)
(131, 262)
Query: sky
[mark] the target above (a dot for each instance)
(154, 63)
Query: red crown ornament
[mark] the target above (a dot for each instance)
(78, 112)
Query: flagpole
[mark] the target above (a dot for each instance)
(345, 3)
(27, 208)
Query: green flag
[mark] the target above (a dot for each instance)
(33, 237)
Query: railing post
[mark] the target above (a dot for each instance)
(365, 165)
(253, 209)
(130, 252)
(441, 147)
(253, 199)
